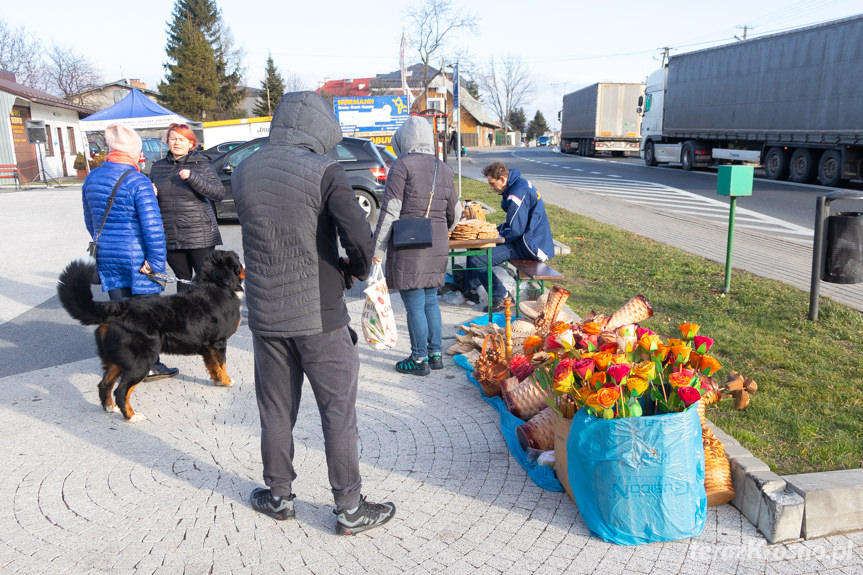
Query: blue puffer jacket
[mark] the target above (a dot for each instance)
(526, 220)
(132, 233)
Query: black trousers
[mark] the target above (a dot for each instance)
(184, 262)
(331, 364)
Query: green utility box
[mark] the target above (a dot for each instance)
(735, 181)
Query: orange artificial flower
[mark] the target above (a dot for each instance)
(602, 359)
(591, 328)
(532, 344)
(650, 342)
(608, 396)
(597, 379)
(708, 365)
(558, 327)
(689, 329)
(679, 378)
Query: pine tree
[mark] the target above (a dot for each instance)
(271, 92)
(537, 127)
(205, 17)
(191, 87)
(517, 120)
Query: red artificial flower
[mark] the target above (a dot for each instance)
(702, 343)
(584, 368)
(619, 371)
(688, 395)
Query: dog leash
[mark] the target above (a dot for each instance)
(164, 279)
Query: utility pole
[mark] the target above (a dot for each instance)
(554, 110)
(745, 29)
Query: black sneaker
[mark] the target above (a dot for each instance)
(263, 502)
(368, 516)
(497, 307)
(471, 296)
(161, 371)
(435, 361)
(413, 367)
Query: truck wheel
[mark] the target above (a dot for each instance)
(830, 168)
(801, 167)
(367, 203)
(776, 164)
(650, 155)
(686, 158)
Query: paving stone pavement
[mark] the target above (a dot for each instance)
(82, 491)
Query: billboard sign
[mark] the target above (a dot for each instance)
(373, 117)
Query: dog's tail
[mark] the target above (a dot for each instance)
(76, 297)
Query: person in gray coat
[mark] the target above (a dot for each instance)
(418, 273)
(294, 205)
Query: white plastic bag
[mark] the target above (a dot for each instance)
(379, 323)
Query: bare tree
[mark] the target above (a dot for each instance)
(20, 53)
(294, 82)
(70, 73)
(506, 85)
(432, 26)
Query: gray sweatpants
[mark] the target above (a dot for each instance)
(331, 363)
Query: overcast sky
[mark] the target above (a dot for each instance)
(566, 44)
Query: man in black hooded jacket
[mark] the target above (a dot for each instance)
(295, 204)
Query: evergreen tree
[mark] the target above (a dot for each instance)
(271, 92)
(517, 120)
(205, 17)
(191, 87)
(537, 127)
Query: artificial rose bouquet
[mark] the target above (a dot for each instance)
(627, 372)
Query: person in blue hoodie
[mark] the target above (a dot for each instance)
(526, 232)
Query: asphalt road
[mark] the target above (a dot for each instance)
(784, 201)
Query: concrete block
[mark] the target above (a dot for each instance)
(781, 515)
(726, 439)
(739, 467)
(735, 451)
(756, 482)
(561, 249)
(834, 501)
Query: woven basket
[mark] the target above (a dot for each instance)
(538, 433)
(523, 399)
(717, 470)
(490, 368)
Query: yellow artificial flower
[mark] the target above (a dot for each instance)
(645, 370)
(637, 385)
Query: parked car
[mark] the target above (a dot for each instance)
(215, 151)
(543, 141)
(152, 150)
(366, 171)
(386, 154)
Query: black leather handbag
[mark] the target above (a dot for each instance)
(412, 233)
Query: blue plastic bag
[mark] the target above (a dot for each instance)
(638, 479)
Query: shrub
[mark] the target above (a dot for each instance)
(97, 161)
(79, 162)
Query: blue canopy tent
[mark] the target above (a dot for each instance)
(135, 111)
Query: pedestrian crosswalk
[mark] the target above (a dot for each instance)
(675, 200)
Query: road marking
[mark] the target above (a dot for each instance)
(679, 201)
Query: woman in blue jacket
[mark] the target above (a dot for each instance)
(132, 237)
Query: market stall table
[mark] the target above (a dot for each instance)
(477, 247)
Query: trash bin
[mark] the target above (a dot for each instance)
(844, 251)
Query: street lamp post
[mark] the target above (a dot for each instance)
(553, 108)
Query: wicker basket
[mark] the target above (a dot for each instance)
(523, 399)
(538, 433)
(717, 470)
(490, 368)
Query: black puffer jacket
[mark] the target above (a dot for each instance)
(295, 206)
(186, 211)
